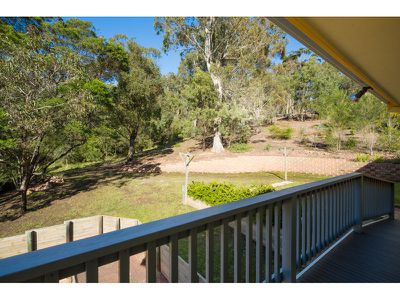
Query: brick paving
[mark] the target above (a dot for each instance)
(109, 273)
(314, 165)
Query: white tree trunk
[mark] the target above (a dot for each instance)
(217, 143)
(217, 82)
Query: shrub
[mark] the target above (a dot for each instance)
(240, 148)
(367, 157)
(281, 133)
(362, 157)
(350, 143)
(303, 135)
(216, 193)
(267, 147)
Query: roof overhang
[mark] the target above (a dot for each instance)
(365, 49)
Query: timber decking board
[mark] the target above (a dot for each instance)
(372, 256)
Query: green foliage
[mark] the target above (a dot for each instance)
(267, 147)
(389, 139)
(45, 70)
(240, 148)
(281, 133)
(350, 143)
(202, 102)
(363, 157)
(216, 193)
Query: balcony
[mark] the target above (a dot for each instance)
(322, 231)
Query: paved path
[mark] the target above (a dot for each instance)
(109, 273)
(257, 163)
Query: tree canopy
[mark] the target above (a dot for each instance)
(67, 94)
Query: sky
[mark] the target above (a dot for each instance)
(142, 30)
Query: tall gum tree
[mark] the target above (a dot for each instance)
(222, 42)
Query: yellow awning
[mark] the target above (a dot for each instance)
(365, 49)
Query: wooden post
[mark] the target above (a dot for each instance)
(69, 237)
(100, 224)
(69, 231)
(117, 223)
(31, 240)
(289, 240)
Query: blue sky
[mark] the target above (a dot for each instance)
(142, 30)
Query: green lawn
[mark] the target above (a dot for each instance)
(97, 190)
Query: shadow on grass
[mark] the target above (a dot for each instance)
(83, 179)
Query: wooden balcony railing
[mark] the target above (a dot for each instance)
(292, 227)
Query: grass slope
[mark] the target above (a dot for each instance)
(94, 191)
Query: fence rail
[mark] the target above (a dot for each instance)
(292, 227)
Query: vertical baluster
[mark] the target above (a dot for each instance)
(348, 204)
(298, 232)
(308, 197)
(289, 240)
(373, 206)
(194, 277)
(237, 249)
(340, 208)
(210, 253)
(352, 202)
(318, 200)
(323, 217)
(151, 259)
(376, 198)
(381, 198)
(326, 221)
(224, 251)
(92, 274)
(337, 212)
(259, 243)
(303, 230)
(277, 241)
(369, 198)
(123, 266)
(249, 246)
(330, 213)
(314, 223)
(333, 212)
(344, 206)
(268, 243)
(344, 192)
(173, 258)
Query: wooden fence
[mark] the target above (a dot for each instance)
(71, 230)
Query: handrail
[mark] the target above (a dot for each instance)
(32, 265)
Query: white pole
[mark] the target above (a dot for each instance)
(186, 177)
(186, 158)
(285, 153)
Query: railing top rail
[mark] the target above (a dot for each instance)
(70, 254)
(376, 178)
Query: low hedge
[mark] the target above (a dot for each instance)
(281, 133)
(215, 193)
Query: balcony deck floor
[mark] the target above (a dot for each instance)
(371, 256)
